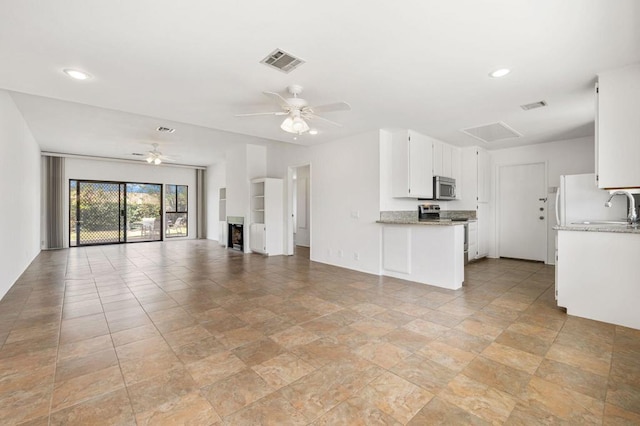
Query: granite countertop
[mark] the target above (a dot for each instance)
(441, 222)
(404, 217)
(620, 229)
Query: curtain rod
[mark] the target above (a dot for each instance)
(118, 160)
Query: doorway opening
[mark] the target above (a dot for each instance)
(299, 209)
(114, 212)
(522, 212)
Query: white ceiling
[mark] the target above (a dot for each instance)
(418, 64)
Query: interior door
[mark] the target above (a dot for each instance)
(522, 212)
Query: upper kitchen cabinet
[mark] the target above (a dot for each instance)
(411, 166)
(484, 175)
(446, 160)
(618, 128)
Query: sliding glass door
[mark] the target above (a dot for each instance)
(114, 212)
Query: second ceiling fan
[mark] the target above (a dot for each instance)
(298, 110)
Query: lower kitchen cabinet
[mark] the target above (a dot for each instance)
(483, 230)
(597, 275)
(473, 240)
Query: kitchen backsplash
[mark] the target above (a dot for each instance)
(455, 214)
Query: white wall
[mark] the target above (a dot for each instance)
(345, 176)
(302, 212)
(216, 179)
(345, 183)
(101, 170)
(566, 157)
(21, 191)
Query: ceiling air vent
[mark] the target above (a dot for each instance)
(492, 132)
(281, 60)
(163, 129)
(534, 105)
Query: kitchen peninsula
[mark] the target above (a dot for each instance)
(597, 273)
(429, 252)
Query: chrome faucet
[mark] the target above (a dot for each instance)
(632, 216)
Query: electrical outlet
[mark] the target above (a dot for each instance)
(356, 256)
(340, 253)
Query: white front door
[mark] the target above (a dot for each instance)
(522, 212)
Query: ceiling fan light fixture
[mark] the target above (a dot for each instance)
(299, 125)
(294, 125)
(157, 161)
(313, 131)
(149, 159)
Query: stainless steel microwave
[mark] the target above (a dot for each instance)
(444, 188)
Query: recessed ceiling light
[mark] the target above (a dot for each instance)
(500, 73)
(78, 75)
(313, 131)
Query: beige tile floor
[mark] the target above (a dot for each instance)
(189, 333)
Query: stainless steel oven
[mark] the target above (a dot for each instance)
(444, 188)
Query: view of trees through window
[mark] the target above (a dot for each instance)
(176, 201)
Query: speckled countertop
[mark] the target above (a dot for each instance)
(620, 229)
(411, 218)
(441, 222)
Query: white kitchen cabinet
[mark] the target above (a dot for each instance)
(446, 160)
(473, 193)
(438, 151)
(456, 165)
(266, 231)
(411, 166)
(483, 229)
(618, 128)
(473, 240)
(597, 276)
(484, 176)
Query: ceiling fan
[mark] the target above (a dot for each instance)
(156, 157)
(298, 111)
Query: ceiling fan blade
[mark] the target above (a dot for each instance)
(277, 99)
(311, 116)
(262, 113)
(337, 106)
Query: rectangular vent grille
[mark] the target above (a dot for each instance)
(165, 129)
(283, 61)
(534, 105)
(492, 132)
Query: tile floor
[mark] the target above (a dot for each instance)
(189, 333)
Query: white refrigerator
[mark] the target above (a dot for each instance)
(579, 200)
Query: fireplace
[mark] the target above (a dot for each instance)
(235, 233)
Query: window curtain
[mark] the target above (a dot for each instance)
(54, 201)
(201, 204)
